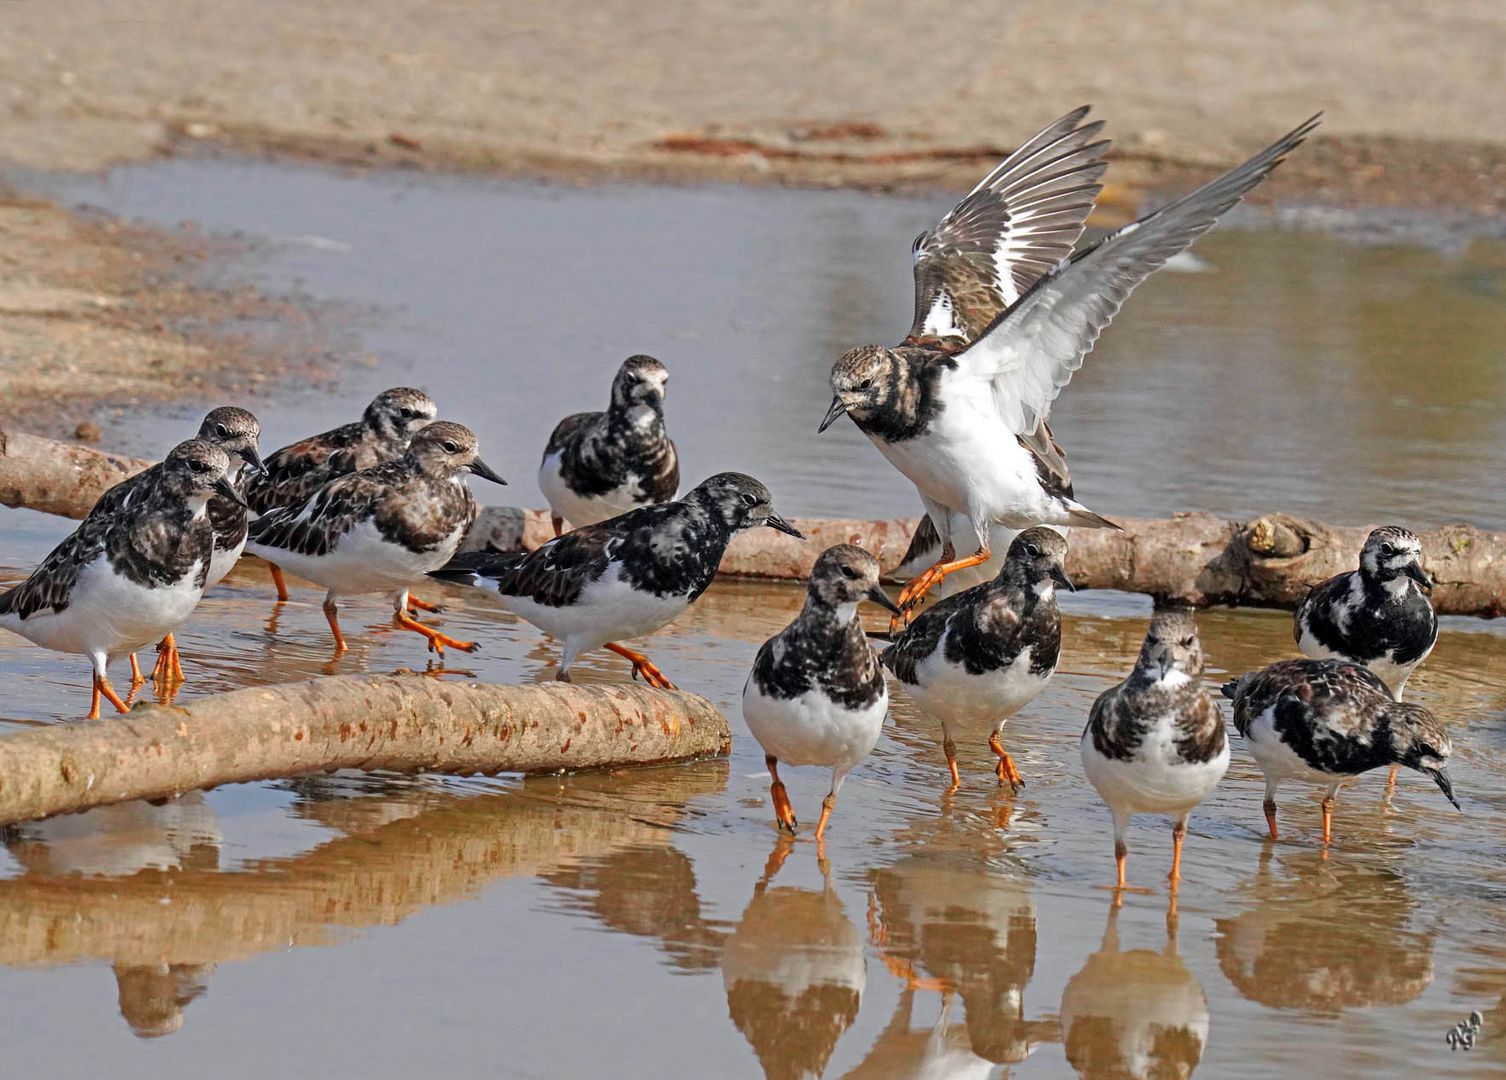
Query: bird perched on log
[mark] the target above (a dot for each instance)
(383, 528)
(130, 573)
(601, 464)
(1326, 721)
(1003, 318)
(977, 658)
(626, 576)
(382, 434)
(816, 694)
(236, 432)
(1155, 743)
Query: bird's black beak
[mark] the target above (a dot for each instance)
(486, 472)
(1440, 777)
(838, 407)
(1415, 571)
(224, 487)
(253, 461)
(776, 522)
(1059, 576)
(881, 598)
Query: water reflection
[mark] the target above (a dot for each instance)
(1325, 935)
(1134, 1014)
(794, 972)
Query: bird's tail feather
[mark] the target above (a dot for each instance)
(1081, 516)
(479, 568)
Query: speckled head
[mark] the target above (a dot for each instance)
(1391, 552)
(394, 415)
(862, 381)
(1171, 652)
(195, 470)
(740, 502)
(846, 574)
(640, 381)
(236, 432)
(1420, 743)
(1036, 558)
(444, 448)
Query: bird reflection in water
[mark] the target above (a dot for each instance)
(1135, 1014)
(1326, 935)
(794, 972)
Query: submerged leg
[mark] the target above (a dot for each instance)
(949, 748)
(1328, 815)
(1121, 849)
(1006, 771)
(136, 677)
(642, 665)
(829, 804)
(332, 615)
(1270, 809)
(784, 813)
(282, 586)
(1178, 834)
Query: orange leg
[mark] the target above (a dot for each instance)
(102, 687)
(559, 525)
(1178, 834)
(136, 677)
(1391, 779)
(784, 812)
(416, 605)
(828, 804)
(1121, 855)
(642, 665)
(1007, 773)
(949, 748)
(917, 587)
(1270, 818)
(1327, 818)
(282, 586)
(169, 667)
(332, 614)
(437, 640)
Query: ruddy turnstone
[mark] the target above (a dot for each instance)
(1326, 721)
(236, 432)
(626, 576)
(1155, 743)
(128, 574)
(1003, 317)
(382, 434)
(383, 528)
(816, 694)
(601, 464)
(975, 659)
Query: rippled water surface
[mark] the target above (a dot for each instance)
(650, 924)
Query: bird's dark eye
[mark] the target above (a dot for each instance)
(198, 466)
(1387, 549)
(865, 384)
(222, 431)
(850, 574)
(450, 447)
(750, 499)
(1187, 642)
(1031, 551)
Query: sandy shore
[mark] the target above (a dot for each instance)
(845, 92)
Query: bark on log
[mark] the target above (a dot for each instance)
(394, 722)
(1191, 558)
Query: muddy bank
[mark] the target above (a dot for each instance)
(853, 94)
(99, 318)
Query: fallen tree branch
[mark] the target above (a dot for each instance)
(393, 722)
(1192, 558)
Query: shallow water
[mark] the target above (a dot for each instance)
(640, 923)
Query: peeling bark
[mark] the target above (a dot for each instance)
(56, 477)
(394, 722)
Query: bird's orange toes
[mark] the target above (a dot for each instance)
(438, 641)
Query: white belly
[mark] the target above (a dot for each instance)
(970, 704)
(606, 610)
(812, 729)
(1276, 760)
(110, 614)
(363, 562)
(580, 510)
(222, 562)
(1154, 781)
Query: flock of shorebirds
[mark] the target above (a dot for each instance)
(1004, 313)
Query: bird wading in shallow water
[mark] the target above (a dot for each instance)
(1378, 616)
(977, 658)
(1155, 743)
(130, 573)
(1326, 721)
(816, 694)
(601, 464)
(236, 432)
(295, 472)
(626, 576)
(383, 528)
(1003, 318)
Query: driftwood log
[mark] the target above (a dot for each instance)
(394, 722)
(1194, 558)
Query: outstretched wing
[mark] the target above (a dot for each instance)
(1032, 351)
(1015, 226)
(315, 525)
